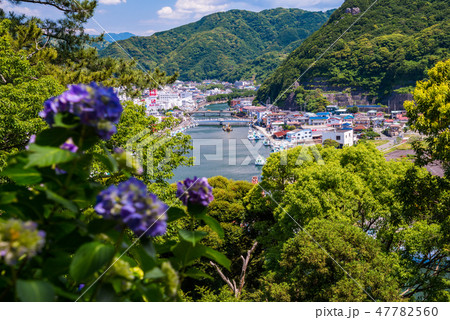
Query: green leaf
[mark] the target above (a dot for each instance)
(196, 210)
(213, 224)
(108, 161)
(47, 156)
(197, 274)
(53, 137)
(193, 237)
(151, 292)
(35, 291)
(22, 176)
(185, 253)
(8, 197)
(175, 214)
(68, 121)
(58, 199)
(54, 267)
(101, 225)
(155, 273)
(89, 258)
(217, 257)
(146, 261)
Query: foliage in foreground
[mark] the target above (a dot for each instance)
(66, 237)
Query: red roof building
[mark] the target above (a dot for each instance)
(280, 134)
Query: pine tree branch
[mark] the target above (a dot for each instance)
(48, 3)
(37, 48)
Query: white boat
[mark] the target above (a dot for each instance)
(266, 142)
(251, 137)
(260, 161)
(275, 149)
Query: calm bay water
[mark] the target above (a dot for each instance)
(219, 153)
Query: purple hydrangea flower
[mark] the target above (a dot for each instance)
(195, 191)
(131, 203)
(96, 106)
(69, 145)
(31, 141)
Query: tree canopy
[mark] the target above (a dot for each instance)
(429, 115)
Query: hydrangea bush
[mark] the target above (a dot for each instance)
(60, 230)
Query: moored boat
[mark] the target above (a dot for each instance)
(260, 161)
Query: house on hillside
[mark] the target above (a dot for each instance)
(317, 121)
(280, 134)
(365, 121)
(343, 137)
(372, 113)
(332, 109)
(359, 129)
(395, 130)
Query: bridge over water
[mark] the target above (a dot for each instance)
(205, 113)
(223, 122)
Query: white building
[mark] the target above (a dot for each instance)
(343, 137)
(168, 99)
(298, 135)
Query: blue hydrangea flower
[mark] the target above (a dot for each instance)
(195, 191)
(19, 239)
(132, 204)
(96, 106)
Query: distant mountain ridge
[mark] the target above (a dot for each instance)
(110, 38)
(389, 48)
(230, 45)
(118, 36)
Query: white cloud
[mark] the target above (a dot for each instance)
(19, 10)
(148, 32)
(185, 9)
(92, 31)
(108, 2)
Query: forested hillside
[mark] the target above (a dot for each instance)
(391, 46)
(227, 45)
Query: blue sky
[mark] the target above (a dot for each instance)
(144, 17)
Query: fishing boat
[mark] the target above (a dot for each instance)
(227, 128)
(260, 161)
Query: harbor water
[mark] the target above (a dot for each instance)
(220, 153)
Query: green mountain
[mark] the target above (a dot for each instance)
(390, 47)
(228, 45)
(110, 38)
